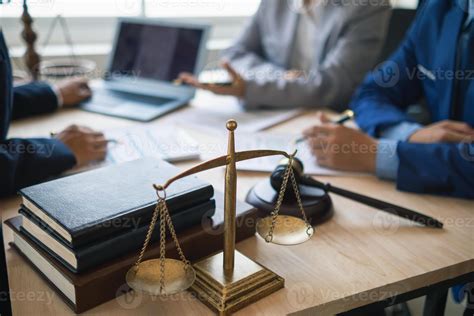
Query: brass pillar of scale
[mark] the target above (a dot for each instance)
(31, 57)
(229, 281)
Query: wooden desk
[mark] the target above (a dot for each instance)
(359, 257)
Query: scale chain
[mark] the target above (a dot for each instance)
(281, 195)
(162, 205)
(298, 197)
(173, 235)
(161, 211)
(148, 235)
(289, 173)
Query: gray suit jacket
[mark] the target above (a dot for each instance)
(347, 43)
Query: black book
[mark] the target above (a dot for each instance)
(86, 290)
(101, 251)
(92, 205)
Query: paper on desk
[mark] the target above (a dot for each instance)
(168, 143)
(283, 142)
(209, 111)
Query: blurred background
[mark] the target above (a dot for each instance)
(91, 23)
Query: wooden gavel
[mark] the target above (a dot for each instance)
(302, 179)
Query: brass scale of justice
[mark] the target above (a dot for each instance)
(228, 280)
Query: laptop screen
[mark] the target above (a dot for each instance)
(155, 52)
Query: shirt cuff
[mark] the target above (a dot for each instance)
(58, 94)
(401, 131)
(387, 162)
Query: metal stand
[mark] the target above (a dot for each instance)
(226, 293)
(435, 302)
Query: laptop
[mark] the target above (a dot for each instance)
(146, 58)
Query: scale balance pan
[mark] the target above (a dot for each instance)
(288, 230)
(316, 202)
(146, 278)
(63, 68)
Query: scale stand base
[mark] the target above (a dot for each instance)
(249, 283)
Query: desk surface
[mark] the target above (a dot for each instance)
(360, 256)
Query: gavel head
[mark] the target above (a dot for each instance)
(276, 179)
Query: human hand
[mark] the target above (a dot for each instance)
(73, 91)
(86, 144)
(339, 147)
(444, 132)
(236, 89)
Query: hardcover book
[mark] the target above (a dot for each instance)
(91, 205)
(83, 258)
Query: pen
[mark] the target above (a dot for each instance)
(113, 141)
(345, 116)
(218, 83)
(110, 140)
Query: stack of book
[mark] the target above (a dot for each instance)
(83, 232)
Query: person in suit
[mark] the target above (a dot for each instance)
(435, 62)
(28, 161)
(303, 53)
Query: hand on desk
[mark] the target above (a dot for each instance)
(237, 89)
(339, 147)
(444, 132)
(73, 91)
(86, 144)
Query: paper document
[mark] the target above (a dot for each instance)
(212, 112)
(168, 143)
(283, 142)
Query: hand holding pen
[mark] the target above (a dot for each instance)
(343, 148)
(86, 144)
(345, 116)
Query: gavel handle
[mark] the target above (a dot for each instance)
(378, 204)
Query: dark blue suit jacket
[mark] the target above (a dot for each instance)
(26, 161)
(423, 66)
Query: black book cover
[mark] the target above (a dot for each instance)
(91, 205)
(103, 251)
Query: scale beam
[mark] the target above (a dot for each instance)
(223, 161)
(229, 161)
